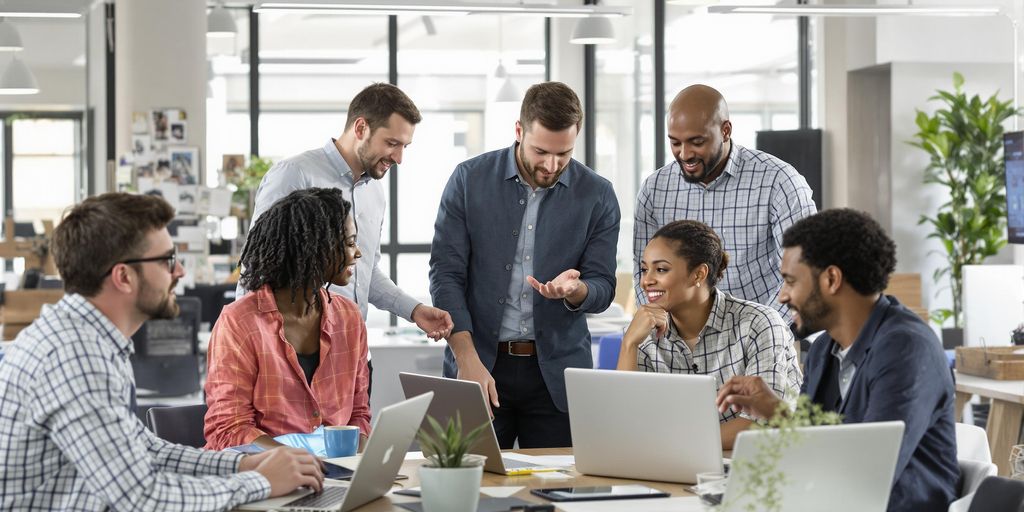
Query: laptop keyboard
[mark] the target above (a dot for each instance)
(517, 464)
(331, 496)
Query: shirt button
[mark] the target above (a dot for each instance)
(529, 226)
(533, 194)
(508, 267)
(522, 201)
(524, 295)
(501, 300)
(515, 232)
(524, 330)
(316, 414)
(528, 258)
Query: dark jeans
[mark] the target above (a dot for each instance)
(526, 411)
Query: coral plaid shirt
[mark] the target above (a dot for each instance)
(256, 387)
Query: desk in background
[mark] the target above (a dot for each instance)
(1004, 418)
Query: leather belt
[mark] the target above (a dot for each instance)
(517, 348)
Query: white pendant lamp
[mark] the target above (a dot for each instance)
(508, 92)
(18, 79)
(593, 30)
(219, 22)
(10, 39)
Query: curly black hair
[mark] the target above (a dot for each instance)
(697, 243)
(850, 240)
(298, 244)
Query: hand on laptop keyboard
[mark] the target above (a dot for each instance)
(286, 469)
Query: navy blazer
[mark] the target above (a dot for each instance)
(474, 245)
(902, 374)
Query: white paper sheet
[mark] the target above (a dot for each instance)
(501, 491)
(556, 461)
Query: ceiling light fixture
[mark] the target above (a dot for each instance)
(593, 31)
(508, 92)
(219, 22)
(10, 39)
(18, 79)
(854, 10)
(440, 8)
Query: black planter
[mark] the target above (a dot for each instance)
(952, 337)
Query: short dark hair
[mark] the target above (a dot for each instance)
(850, 240)
(697, 243)
(553, 104)
(101, 231)
(298, 244)
(377, 102)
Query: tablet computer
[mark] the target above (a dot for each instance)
(601, 492)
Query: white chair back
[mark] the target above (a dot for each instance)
(972, 443)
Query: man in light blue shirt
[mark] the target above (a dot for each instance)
(381, 121)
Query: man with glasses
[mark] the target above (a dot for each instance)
(69, 434)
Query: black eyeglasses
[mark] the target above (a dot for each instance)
(171, 259)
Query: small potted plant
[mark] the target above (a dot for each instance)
(450, 478)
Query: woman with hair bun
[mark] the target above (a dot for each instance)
(690, 326)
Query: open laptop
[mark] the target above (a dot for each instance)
(466, 397)
(393, 433)
(645, 426)
(847, 467)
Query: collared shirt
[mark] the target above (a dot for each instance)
(324, 167)
(517, 320)
(256, 386)
(846, 369)
(474, 245)
(70, 440)
(739, 338)
(749, 205)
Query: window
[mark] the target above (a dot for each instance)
(46, 166)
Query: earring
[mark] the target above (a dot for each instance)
(698, 285)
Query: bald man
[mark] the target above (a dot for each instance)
(747, 196)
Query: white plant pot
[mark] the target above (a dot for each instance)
(452, 489)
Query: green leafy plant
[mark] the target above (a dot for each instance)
(446, 447)
(764, 480)
(248, 180)
(964, 141)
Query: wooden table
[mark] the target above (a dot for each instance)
(1004, 417)
(411, 469)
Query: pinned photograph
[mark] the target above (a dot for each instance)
(188, 199)
(231, 167)
(160, 125)
(178, 132)
(142, 149)
(184, 162)
(140, 123)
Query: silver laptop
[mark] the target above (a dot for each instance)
(847, 467)
(645, 426)
(466, 397)
(393, 433)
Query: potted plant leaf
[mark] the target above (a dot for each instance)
(450, 478)
(964, 142)
(245, 184)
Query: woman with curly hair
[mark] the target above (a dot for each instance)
(290, 356)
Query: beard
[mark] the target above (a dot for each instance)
(535, 174)
(706, 167)
(156, 305)
(812, 314)
(370, 162)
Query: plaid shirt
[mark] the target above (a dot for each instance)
(256, 387)
(739, 338)
(755, 199)
(70, 440)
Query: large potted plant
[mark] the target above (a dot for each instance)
(964, 142)
(245, 184)
(450, 478)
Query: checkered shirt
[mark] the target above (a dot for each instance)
(755, 199)
(739, 338)
(70, 440)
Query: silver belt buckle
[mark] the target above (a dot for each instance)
(513, 354)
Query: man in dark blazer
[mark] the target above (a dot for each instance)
(524, 246)
(876, 361)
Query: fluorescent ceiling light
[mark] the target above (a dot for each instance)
(439, 8)
(593, 31)
(20, 14)
(852, 10)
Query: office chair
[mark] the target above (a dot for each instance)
(181, 425)
(972, 443)
(998, 493)
(166, 359)
(214, 297)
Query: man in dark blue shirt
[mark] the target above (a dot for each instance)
(524, 246)
(877, 361)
